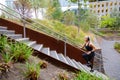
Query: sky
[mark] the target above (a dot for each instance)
(2, 1)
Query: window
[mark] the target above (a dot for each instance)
(102, 5)
(106, 10)
(90, 5)
(106, 3)
(115, 3)
(91, 10)
(102, 11)
(111, 3)
(95, 6)
(98, 11)
(98, 5)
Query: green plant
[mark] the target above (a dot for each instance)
(6, 64)
(7, 57)
(33, 71)
(117, 46)
(107, 22)
(63, 76)
(3, 42)
(2, 15)
(43, 64)
(20, 52)
(70, 31)
(86, 76)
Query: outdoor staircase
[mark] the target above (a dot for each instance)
(46, 50)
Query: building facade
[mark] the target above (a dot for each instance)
(102, 8)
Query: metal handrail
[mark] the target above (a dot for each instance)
(64, 37)
(61, 35)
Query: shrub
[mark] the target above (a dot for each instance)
(6, 64)
(43, 64)
(117, 46)
(70, 31)
(33, 71)
(2, 15)
(7, 57)
(63, 76)
(86, 76)
(20, 52)
(3, 43)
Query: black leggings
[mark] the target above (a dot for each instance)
(88, 57)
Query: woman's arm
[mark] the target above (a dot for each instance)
(83, 46)
(94, 48)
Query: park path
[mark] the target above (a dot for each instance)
(111, 59)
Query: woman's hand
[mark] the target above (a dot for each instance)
(88, 52)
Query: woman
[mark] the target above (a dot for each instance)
(89, 55)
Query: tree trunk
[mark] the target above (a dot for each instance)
(79, 6)
(36, 15)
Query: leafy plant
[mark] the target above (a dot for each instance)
(63, 76)
(107, 21)
(117, 46)
(7, 57)
(6, 65)
(20, 52)
(86, 76)
(3, 42)
(70, 31)
(43, 64)
(33, 71)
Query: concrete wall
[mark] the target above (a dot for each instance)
(104, 7)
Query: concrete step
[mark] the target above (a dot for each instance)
(38, 47)
(30, 43)
(46, 51)
(71, 62)
(54, 54)
(22, 39)
(7, 31)
(95, 73)
(14, 36)
(101, 75)
(3, 28)
(80, 66)
(87, 69)
(62, 58)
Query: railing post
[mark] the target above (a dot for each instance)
(64, 46)
(24, 28)
(24, 31)
(101, 63)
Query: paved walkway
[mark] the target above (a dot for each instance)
(111, 60)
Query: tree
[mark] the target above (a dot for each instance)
(68, 17)
(57, 10)
(54, 11)
(23, 7)
(92, 19)
(79, 6)
(116, 14)
(37, 4)
(80, 12)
